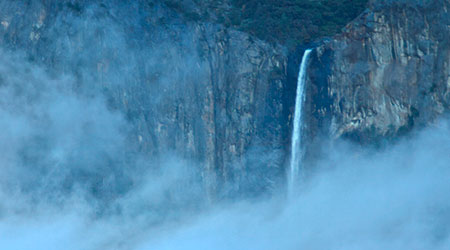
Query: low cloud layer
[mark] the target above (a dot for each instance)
(394, 199)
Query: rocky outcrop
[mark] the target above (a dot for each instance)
(202, 92)
(387, 73)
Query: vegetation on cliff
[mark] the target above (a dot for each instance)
(293, 21)
(289, 22)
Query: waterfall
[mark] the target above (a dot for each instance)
(296, 147)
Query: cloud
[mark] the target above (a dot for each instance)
(393, 199)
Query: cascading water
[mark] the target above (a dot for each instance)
(296, 147)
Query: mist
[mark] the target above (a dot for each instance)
(393, 199)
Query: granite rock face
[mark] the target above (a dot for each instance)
(211, 95)
(387, 73)
(223, 100)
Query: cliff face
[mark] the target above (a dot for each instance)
(385, 74)
(198, 91)
(222, 99)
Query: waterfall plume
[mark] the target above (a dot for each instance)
(296, 143)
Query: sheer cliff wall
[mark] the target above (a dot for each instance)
(195, 90)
